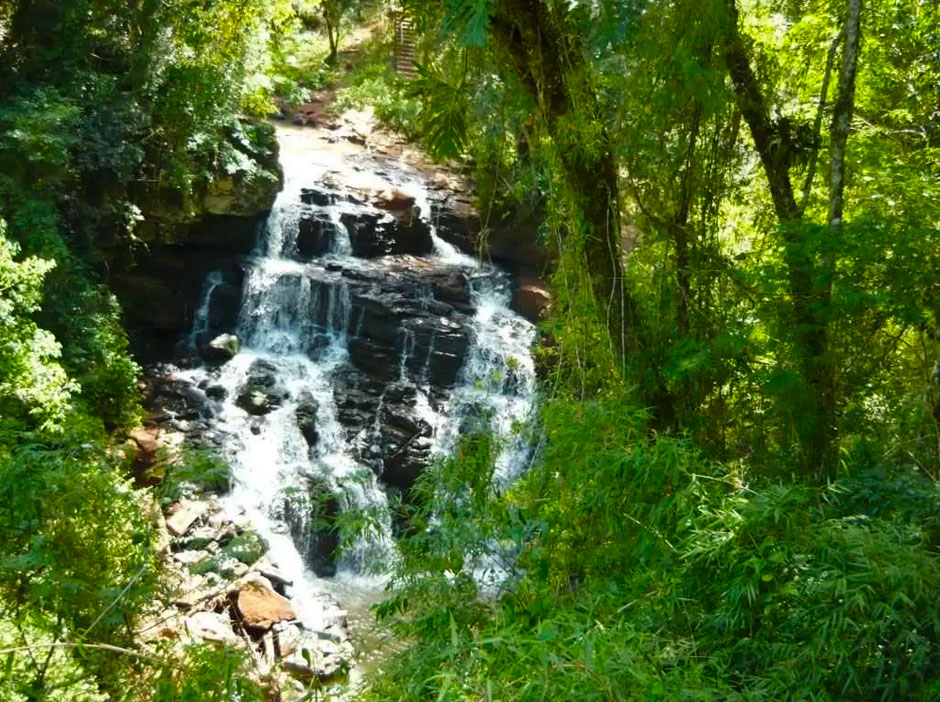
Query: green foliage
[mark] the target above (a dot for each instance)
(635, 569)
(191, 473)
(443, 118)
(108, 111)
(76, 562)
(682, 551)
(468, 20)
(246, 547)
(208, 674)
(375, 84)
(32, 383)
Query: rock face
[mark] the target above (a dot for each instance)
(186, 236)
(316, 235)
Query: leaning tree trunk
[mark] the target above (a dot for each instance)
(815, 423)
(546, 57)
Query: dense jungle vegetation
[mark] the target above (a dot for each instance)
(734, 490)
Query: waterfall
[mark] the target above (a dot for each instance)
(368, 344)
(201, 318)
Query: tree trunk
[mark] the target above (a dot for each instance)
(332, 16)
(842, 114)
(680, 224)
(814, 418)
(839, 134)
(551, 67)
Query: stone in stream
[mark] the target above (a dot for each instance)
(372, 235)
(216, 392)
(263, 391)
(313, 657)
(306, 415)
(222, 348)
(310, 513)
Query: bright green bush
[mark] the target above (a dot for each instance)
(637, 569)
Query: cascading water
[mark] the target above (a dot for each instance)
(345, 344)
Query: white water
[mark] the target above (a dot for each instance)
(279, 323)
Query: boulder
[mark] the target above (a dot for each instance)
(184, 515)
(209, 626)
(263, 391)
(532, 301)
(288, 637)
(316, 658)
(259, 606)
(216, 392)
(222, 348)
(306, 415)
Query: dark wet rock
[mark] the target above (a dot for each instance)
(306, 415)
(222, 348)
(177, 399)
(373, 235)
(438, 350)
(532, 300)
(225, 304)
(316, 236)
(406, 444)
(384, 426)
(410, 234)
(216, 392)
(310, 514)
(318, 196)
(394, 200)
(263, 390)
(454, 288)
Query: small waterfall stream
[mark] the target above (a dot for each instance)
(368, 343)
